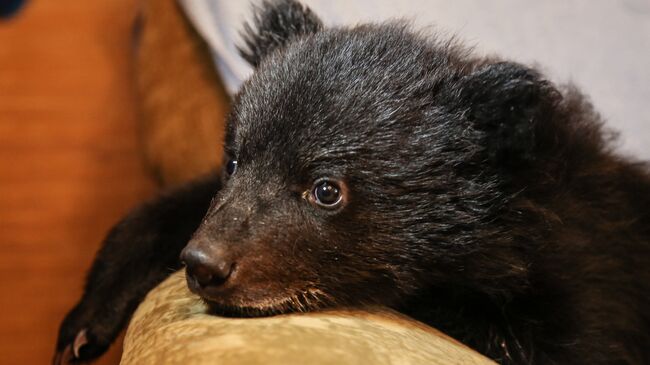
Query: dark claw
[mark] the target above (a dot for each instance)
(72, 353)
(80, 341)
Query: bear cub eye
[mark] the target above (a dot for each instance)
(231, 166)
(326, 194)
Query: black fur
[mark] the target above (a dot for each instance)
(480, 198)
(138, 253)
(276, 24)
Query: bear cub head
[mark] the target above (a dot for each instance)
(368, 165)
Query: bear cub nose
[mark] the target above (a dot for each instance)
(204, 268)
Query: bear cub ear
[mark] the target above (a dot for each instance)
(511, 104)
(275, 23)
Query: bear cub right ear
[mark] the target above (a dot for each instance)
(275, 23)
(510, 103)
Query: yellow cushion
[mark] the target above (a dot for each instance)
(171, 327)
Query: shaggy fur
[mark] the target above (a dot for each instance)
(478, 197)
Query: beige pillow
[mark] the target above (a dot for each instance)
(171, 327)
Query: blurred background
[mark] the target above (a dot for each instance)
(104, 102)
(69, 160)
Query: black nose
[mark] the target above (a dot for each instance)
(205, 268)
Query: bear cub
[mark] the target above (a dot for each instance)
(377, 165)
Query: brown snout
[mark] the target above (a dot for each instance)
(207, 264)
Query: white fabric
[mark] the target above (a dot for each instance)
(601, 45)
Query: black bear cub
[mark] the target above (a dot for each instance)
(376, 165)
